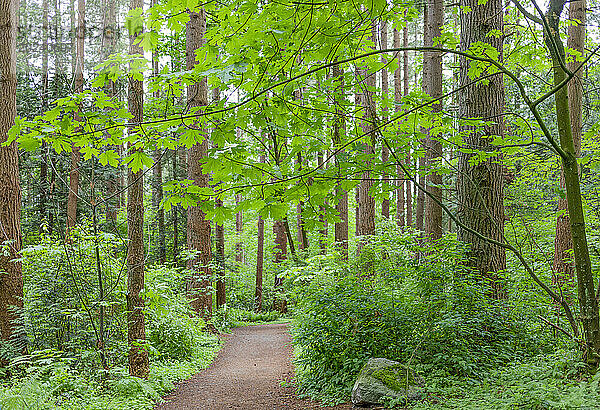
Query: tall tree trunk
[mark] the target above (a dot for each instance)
(239, 230)
(339, 132)
(588, 303)
(432, 85)
(480, 186)
(11, 291)
(136, 333)
(157, 189)
(322, 220)
(419, 195)
(279, 230)
(175, 211)
(198, 227)
(409, 204)
(108, 47)
(75, 155)
(563, 267)
(400, 204)
(385, 154)
(43, 210)
(366, 203)
(302, 236)
(219, 234)
(220, 259)
(260, 257)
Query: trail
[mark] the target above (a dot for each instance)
(252, 371)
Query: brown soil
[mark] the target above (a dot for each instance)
(253, 370)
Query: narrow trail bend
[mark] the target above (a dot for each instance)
(252, 371)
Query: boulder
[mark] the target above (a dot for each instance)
(383, 378)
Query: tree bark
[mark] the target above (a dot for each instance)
(239, 230)
(220, 259)
(108, 47)
(136, 333)
(409, 205)
(157, 180)
(175, 211)
(302, 236)
(11, 291)
(365, 225)
(480, 186)
(198, 227)
(418, 193)
(339, 131)
(260, 257)
(400, 204)
(385, 154)
(75, 155)
(279, 230)
(432, 85)
(586, 292)
(563, 266)
(43, 210)
(323, 231)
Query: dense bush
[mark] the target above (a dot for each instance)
(61, 316)
(402, 300)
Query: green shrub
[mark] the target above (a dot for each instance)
(430, 313)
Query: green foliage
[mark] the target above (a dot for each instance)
(550, 381)
(431, 313)
(60, 316)
(226, 318)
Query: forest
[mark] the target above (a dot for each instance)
(416, 181)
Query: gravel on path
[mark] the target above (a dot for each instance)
(253, 370)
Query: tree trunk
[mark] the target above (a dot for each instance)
(11, 291)
(588, 303)
(157, 189)
(219, 234)
(279, 230)
(136, 334)
(419, 195)
(301, 237)
(239, 230)
(563, 267)
(220, 259)
(175, 211)
(322, 220)
(385, 154)
(260, 257)
(108, 48)
(258, 289)
(339, 132)
(480, 186)
(365, 225)
(198, 227)
(400, 204)
(43, 210)
(432, 85)
(409, 205)
(75, 155)
(420, 208)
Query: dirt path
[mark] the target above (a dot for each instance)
(247, 374)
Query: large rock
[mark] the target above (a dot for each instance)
(381, 378)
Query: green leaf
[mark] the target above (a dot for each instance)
(109, 157)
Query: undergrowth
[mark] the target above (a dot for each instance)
(434, 316)
(52, 380)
